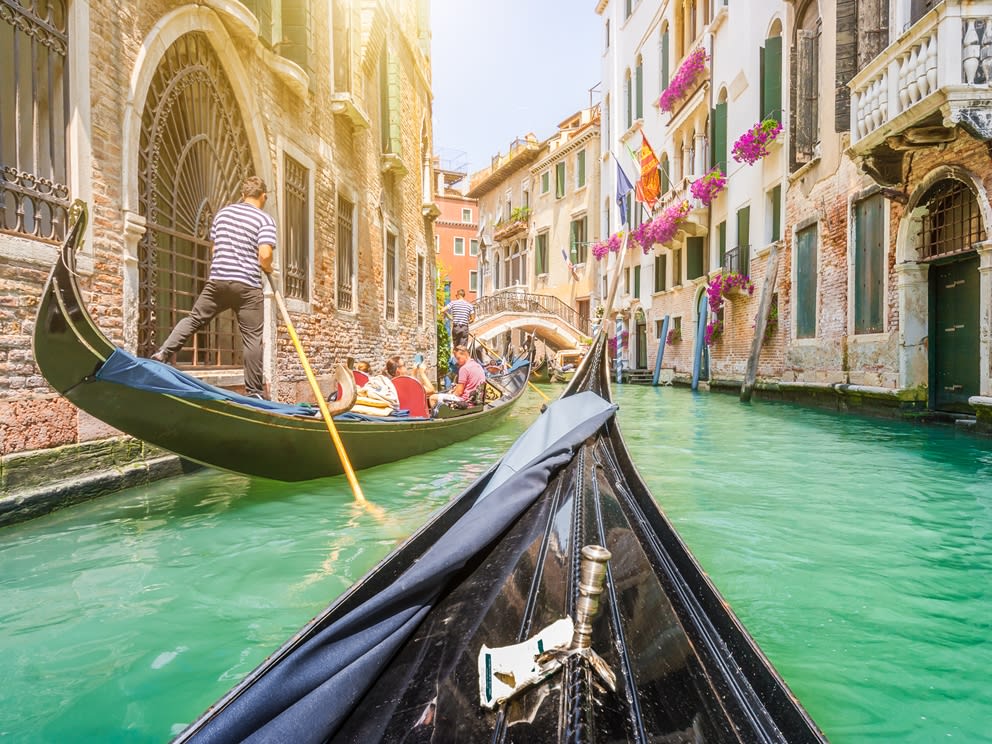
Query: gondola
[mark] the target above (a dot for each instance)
(540, 372)
(551, 601)
(165, 407)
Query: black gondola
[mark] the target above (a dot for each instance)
(213, 426)
(407, 654)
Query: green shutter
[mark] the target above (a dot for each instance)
(295, 44)
(694, 258)
(539, 256)
(718, 136)
(676, 267)
(771, 79)
(777, 213)
(639, 90)
(580, 161)
(573, 249)
(665, 71)
(637, 282)
(666, 176)
(659, 273)
(560, 180)
(744, 238)
(721, 231)
(869, 265)
(806, 283)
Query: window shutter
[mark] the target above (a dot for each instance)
(664, 59)
(666, 176)
(718, 136)
(659, 273)
(771, 79)
(847, 61)
(295, 44)
(776, 213)
(639, 90)
(869, 265)
(744, 238)
(806, 283)
(628, 96)
(637, 282)
(872, 29)
(721, 231)
(694, 258)
(805, 84)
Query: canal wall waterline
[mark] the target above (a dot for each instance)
(38, 482)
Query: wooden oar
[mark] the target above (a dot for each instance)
(349, 471)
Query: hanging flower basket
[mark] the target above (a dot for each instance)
(708, 188)
(674, 336)
(683, 79)
(754, 144)
(714, 332)
(605, 247)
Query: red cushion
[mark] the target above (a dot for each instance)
(360, 378)
(412, 396)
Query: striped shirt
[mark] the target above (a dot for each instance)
(460, 311)
(237, 232)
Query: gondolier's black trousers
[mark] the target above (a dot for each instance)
(459, 334)
(247, 303)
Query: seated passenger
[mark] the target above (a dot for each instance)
(364, 367)
(471, 376)
(378, 396)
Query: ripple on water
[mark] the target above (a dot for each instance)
(856, 552)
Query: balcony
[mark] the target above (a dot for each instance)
(517, 223)
(933, 78)
(697, 221)
(737, 260)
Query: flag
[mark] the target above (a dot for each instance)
(624, 187)
(569, 264)
(649, 186)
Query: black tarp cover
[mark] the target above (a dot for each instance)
(308, 693)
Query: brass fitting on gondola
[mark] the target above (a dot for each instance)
(592, 576)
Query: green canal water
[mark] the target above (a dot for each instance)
(857, 552)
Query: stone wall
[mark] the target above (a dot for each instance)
(340, 153)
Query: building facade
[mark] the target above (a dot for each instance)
(869, 209)
(152, 114)
(456, 236)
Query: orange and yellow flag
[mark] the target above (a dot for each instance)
(649, 185)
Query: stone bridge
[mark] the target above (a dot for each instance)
(550, 319)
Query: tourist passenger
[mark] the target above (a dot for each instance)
(244, 238)
(378, 396)
(461, 313)
(364, 367)
(471, 376)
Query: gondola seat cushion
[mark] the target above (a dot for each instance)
(411, 395)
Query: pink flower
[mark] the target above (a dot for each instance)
(683, 79)
(707, 188)
(753, 144)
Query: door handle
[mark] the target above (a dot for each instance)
(954, 388)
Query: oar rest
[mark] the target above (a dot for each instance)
(412, 396)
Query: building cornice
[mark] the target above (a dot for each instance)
(570, 147)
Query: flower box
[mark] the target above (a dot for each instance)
(684, 79)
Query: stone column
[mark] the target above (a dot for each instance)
(700, 165)
(914, 324)
(985, 316)
(134, 230)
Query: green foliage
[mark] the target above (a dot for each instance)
(443, 336)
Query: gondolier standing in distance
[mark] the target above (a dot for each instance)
(461, 313)
(244, 239)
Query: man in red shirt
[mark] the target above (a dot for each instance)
(471, 376)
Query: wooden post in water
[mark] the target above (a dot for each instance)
(661, 350)
(760, 323)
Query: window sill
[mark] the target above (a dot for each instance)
(294, 76)
(298, 306)
(868, 338)
(805, 341)
(763, 251)
(343, 104)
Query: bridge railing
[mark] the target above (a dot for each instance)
(534, 304)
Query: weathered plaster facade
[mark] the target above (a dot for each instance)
(352, 107)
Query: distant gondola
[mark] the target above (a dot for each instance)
(163, 406)
(417, 650)
(540, 372)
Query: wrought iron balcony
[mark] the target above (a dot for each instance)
(737, 260)
(697, 221)
(934, 77)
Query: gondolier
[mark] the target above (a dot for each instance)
(461, 313)
(244, 238)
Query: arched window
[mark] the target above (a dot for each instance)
(628, 96)
(34, 48)
(771, 74)
(639, 88)
(496, 270)
(190, 125)
(806, 88)
(952, 222)
(664, 55)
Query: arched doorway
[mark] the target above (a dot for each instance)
(950, 230)
(193, 156)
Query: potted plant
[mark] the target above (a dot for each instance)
(683, 79)
(707, 188)
(674, 336)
